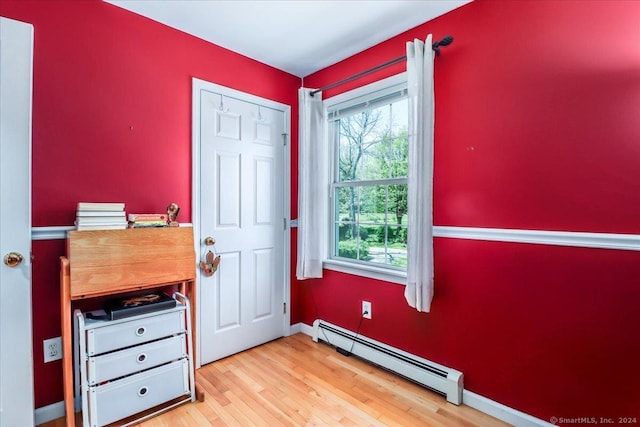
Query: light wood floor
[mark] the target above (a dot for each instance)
(295, 382)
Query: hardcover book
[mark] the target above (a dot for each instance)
(108, 214)
(147, 217)
(134, 305)
(142, 224)
(99, 220)
(83, 227)
(94, 206)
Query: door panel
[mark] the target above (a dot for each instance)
(228, 125)
(229, 312)
(263, 265)
(228, 190)
(16, 355)
(242, 207)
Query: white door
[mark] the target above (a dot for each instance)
(16, 356)
(242, 182)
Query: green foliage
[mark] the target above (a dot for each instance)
(370, 234)
(349, 249)
(399, 262)
(392, 235)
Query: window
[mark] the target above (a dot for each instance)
(368, 135)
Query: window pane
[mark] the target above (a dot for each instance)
(397, 203)
(346, 200)
(392, 158)
(367, 150)
(398, 157)
(358, 159)
(381, 122)
(372, 224)
(392, 249)
(373, 203)
(399, 117)
(352, 247)
(370, 220)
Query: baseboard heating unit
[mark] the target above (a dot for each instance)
(443, 380)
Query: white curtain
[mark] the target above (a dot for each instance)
(419, 290)
(312, 185)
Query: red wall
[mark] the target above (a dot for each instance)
(112, 122)
(537, 127)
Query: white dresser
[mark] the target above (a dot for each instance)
(131, 365)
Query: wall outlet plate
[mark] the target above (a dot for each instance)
(52, 349)
(366, 309)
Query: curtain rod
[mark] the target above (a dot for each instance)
(446, 41)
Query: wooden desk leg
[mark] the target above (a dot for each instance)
(67, 348)
(199, 393)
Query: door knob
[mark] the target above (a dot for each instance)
(209, 241)
(13, 259)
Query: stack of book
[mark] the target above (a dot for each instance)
(100, 216)
(147, 220)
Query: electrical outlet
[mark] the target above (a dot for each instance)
(52, 349)
(366, 309)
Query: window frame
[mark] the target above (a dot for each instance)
(348, 100)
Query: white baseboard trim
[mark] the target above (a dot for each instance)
(295, 329)
(482, 404)
(302, 328)
(501, 412)
(55, 411)
(49, 413)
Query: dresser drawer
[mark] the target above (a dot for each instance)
(119, 399)
(113, 335)
(134, 359)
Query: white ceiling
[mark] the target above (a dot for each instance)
(297, 36)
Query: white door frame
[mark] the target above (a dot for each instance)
(197, 86)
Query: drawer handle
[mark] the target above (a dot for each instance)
(142, 357)
(140, 331)
(143, 391)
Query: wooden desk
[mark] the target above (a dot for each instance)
(108, 262)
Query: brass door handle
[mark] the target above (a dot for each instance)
(13, 259)
(209, 241)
